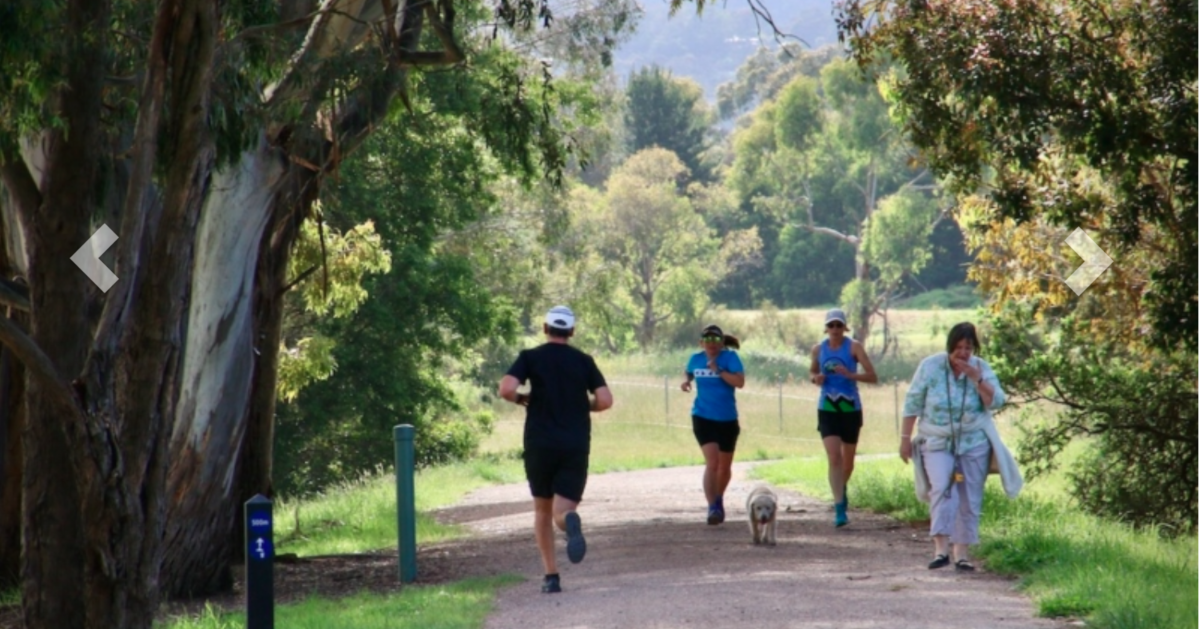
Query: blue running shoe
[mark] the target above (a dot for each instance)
(839, 518)
(576, 546)
(712, 514)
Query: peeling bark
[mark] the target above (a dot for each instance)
(217, 373)
(180, 366)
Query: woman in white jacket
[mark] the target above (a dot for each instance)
(954, 394)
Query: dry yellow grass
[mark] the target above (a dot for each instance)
(650, 424)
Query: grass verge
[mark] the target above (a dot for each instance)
(1071, 564)
(461, 605)
(360, 515)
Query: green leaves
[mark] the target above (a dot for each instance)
(1133, 412)
(328, 269)
(668, 112)
(799, 114)
(341, 262)
(896, 238)
(1013, 99)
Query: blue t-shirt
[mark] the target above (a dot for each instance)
(839, 394)
(714, 396)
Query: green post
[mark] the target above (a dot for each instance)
(406, 514)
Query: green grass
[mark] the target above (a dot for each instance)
(461, 605)
(1070, 563)
(361, 515)
(957, 296)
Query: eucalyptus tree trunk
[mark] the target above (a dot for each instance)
(217, 371)
(145, 401)
(221, 449)
(12, 400)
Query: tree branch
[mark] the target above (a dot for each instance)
(912, 183)
(762, 14)
(444, 29)
(299, 278)
(14, 295)
(39, 364)
(850, 238)
(20, 184)
(145, 153)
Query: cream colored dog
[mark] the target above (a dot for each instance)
(760, 508)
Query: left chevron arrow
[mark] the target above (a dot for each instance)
(87, 258)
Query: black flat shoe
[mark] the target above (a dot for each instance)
(962, 565)
(941, 561)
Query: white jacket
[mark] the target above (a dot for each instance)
(936, 438)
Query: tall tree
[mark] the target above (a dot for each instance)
(203, 131)
(665, 255)
(763, 74)
(825, 157)
(1054, 116)
(1021, 98)
(668, 112)
(164, 386)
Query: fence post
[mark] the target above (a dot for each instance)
(406, 515)
(896, 403)
(260, 564)
(780, 379)
(667, 399)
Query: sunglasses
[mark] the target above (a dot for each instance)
(711, 339)
(835, 324)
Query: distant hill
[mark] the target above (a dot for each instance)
(710, 47)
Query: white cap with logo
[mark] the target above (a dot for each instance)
(561, 317)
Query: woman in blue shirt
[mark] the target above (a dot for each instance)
(717, 371)
(839, 410)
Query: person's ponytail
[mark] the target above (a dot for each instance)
(732, 342)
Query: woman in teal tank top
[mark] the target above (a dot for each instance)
(834, 368)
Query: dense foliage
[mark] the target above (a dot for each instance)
(423, 180)
(1047, 117)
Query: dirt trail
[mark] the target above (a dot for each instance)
(652, 562)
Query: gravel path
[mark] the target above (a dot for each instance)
(652, 562)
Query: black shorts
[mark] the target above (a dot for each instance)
(844, 425)
(552, 472)
(724, 434)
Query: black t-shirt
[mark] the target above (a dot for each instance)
(559, 411)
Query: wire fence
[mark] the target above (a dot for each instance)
(775, 409)
(789, 396)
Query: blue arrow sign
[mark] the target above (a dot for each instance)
(260, 549)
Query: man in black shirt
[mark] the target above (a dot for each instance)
(558, 433)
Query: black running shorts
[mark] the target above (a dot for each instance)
(843, 425)
(723, 433)
(552, 471)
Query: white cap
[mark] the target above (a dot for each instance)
(561, 317)
(835, 314)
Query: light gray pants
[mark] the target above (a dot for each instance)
(954, 507)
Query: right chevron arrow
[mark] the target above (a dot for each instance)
(1095, 261)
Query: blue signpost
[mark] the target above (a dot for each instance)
(260, 564)
(406, 514)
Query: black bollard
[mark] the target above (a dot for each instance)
(260, 564)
